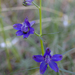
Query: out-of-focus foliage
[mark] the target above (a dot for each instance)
(57, 18)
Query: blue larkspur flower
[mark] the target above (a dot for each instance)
(47, 59)
(24, 29)
(27, 2)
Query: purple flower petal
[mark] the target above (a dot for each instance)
(31, 30)
(27, 22)
(17, 26)
(54, 66)
(38, 58)
(57, 57)
(32, 22)
(19, 33)
(43, 67)
(22, 28)
(47, 52)
(26, 35)
(28, 3)
(29, 0)
(26, 29)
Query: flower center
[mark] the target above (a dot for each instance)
(24, 28)
(47, 59)
(26, 31)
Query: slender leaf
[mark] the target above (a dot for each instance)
(44, 46)
(61, 65)
(68, 51)
(49, 33)
(41, 38)
(66, 71)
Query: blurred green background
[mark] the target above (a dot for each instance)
(57, 18)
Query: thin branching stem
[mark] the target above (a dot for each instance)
(36, 5)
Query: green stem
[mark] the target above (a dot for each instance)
(40, 15)
(36, 5)
(36, 34)
(4, 37)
